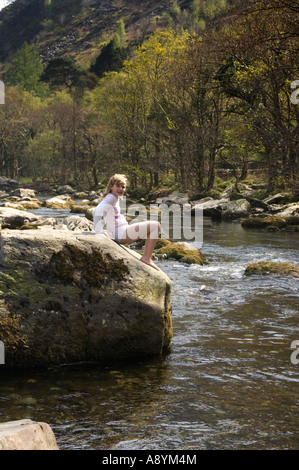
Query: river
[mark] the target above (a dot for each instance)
(228, 381)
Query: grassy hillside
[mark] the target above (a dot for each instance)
(75, 27)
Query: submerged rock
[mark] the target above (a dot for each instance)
(272, 222)
(266, 267)
(67, 296)
(263, 222)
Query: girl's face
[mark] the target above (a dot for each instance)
(118, 189)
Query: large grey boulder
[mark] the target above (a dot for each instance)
(222, 208)
(236, 209)
(14, 218)
(23, 192)
(211, 207)
(173, 198)
(65, 189)
(279, 198)
(289, 210)
(67, 297)
(62, 201)
(26, 434)
(7, 184)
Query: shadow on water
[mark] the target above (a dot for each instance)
(228, 382)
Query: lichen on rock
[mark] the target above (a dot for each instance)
(264, 222)
(67, 296)
(182, 251)
(267, 267)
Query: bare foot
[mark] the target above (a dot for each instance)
(150, 263)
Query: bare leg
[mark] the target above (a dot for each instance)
(149, 230)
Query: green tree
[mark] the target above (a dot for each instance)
(112, 55)
(175, 10)
(116, 132)
(41, 155)
(121, 32)
(151, 77)
(65, 114)
(19, 122)
(25, 68)
(62, 72)
(173, 74)
(261, 50)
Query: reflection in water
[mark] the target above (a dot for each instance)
(228, 382)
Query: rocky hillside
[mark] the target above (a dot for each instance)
(75, 27)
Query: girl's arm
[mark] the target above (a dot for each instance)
(104, 214)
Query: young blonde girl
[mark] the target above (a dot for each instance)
(108, 213)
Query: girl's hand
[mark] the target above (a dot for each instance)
(104, 232)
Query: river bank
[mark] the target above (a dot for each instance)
(250, 205)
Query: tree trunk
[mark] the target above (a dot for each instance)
(200, 167)
(211, 170)
(293, 163)
(244, 171)
(95, 177)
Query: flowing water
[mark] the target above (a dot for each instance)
(227, 383)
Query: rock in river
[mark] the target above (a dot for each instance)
(70, 297)
(271, 267)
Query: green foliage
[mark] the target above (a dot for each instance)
(42, 154)
(62, 72)
(121, 32)
(112, 55)
(195, 16)
(170, 111)
(212, 8)
(175, 10)
(25, 68)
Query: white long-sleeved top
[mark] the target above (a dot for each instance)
(107, 214)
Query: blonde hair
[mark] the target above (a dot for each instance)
(115, 179)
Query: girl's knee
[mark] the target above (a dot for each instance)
(154, 224)
(154, 228)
